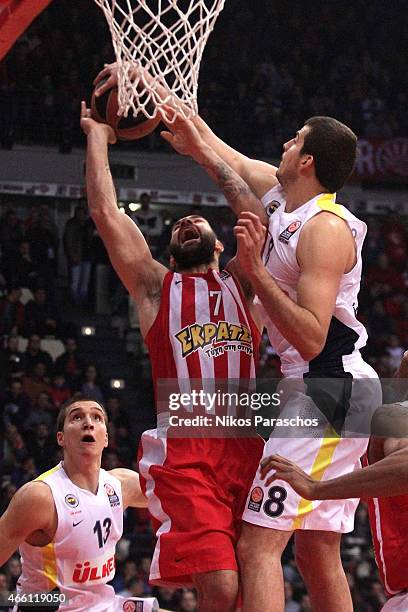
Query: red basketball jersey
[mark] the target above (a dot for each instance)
(389, 529)
(203, 330)
(196, 487)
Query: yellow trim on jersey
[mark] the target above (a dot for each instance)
(50, 565)
(48, 473)
(328, 202)
(48, 552)
(321, 463)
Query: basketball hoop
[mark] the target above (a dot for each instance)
(158, 46)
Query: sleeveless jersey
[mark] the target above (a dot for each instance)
(203, 331)
(346, 334)
(389, 530)
(81, 558)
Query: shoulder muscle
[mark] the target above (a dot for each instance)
(31, 509)
(326, 234)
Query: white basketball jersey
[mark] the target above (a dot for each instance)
(81, 558)
(346, 334)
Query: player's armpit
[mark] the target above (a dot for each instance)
(31, 509)
(131, 491)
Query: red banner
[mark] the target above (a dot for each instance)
(15, 17)
(382, 160)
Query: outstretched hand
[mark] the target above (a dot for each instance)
(182, 133)
(110, 73)
(250, 234)
(286, 470)
(108, 78)
(89, 125)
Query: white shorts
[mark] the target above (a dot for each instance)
(324, 455)
(398, 603)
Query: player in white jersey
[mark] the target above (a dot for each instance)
(68, 520)
(307, 286)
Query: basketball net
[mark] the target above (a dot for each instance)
(158, 46)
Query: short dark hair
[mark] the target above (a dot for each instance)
(334, 149)
(62, 415)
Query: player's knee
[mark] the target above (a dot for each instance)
(217, 590)
(221, 596)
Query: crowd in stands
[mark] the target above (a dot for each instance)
(33, 384)
(289, 63)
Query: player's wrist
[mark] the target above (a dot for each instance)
(259, 276)
(102, 133)
(203, 154)
(97, 132)
(319, 490)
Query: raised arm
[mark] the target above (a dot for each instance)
(31, 509)
(259, 175)
(186, 140)
(127, 248)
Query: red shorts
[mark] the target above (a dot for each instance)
(196, 491)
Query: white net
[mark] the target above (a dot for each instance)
(158, 46)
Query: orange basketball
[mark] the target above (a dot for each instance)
(104, 109)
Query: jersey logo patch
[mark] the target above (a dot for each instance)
(71, 500)
(289, 231)
(110, 492)
(95, 570)
(256, 499)
(233, 338)
(272, 206)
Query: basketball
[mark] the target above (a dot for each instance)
(104, 109)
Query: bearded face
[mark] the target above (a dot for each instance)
(192, 243)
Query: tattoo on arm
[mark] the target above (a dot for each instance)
(238, 194)
(231, 183)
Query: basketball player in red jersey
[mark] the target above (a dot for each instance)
(197, 324)
(383, 482)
